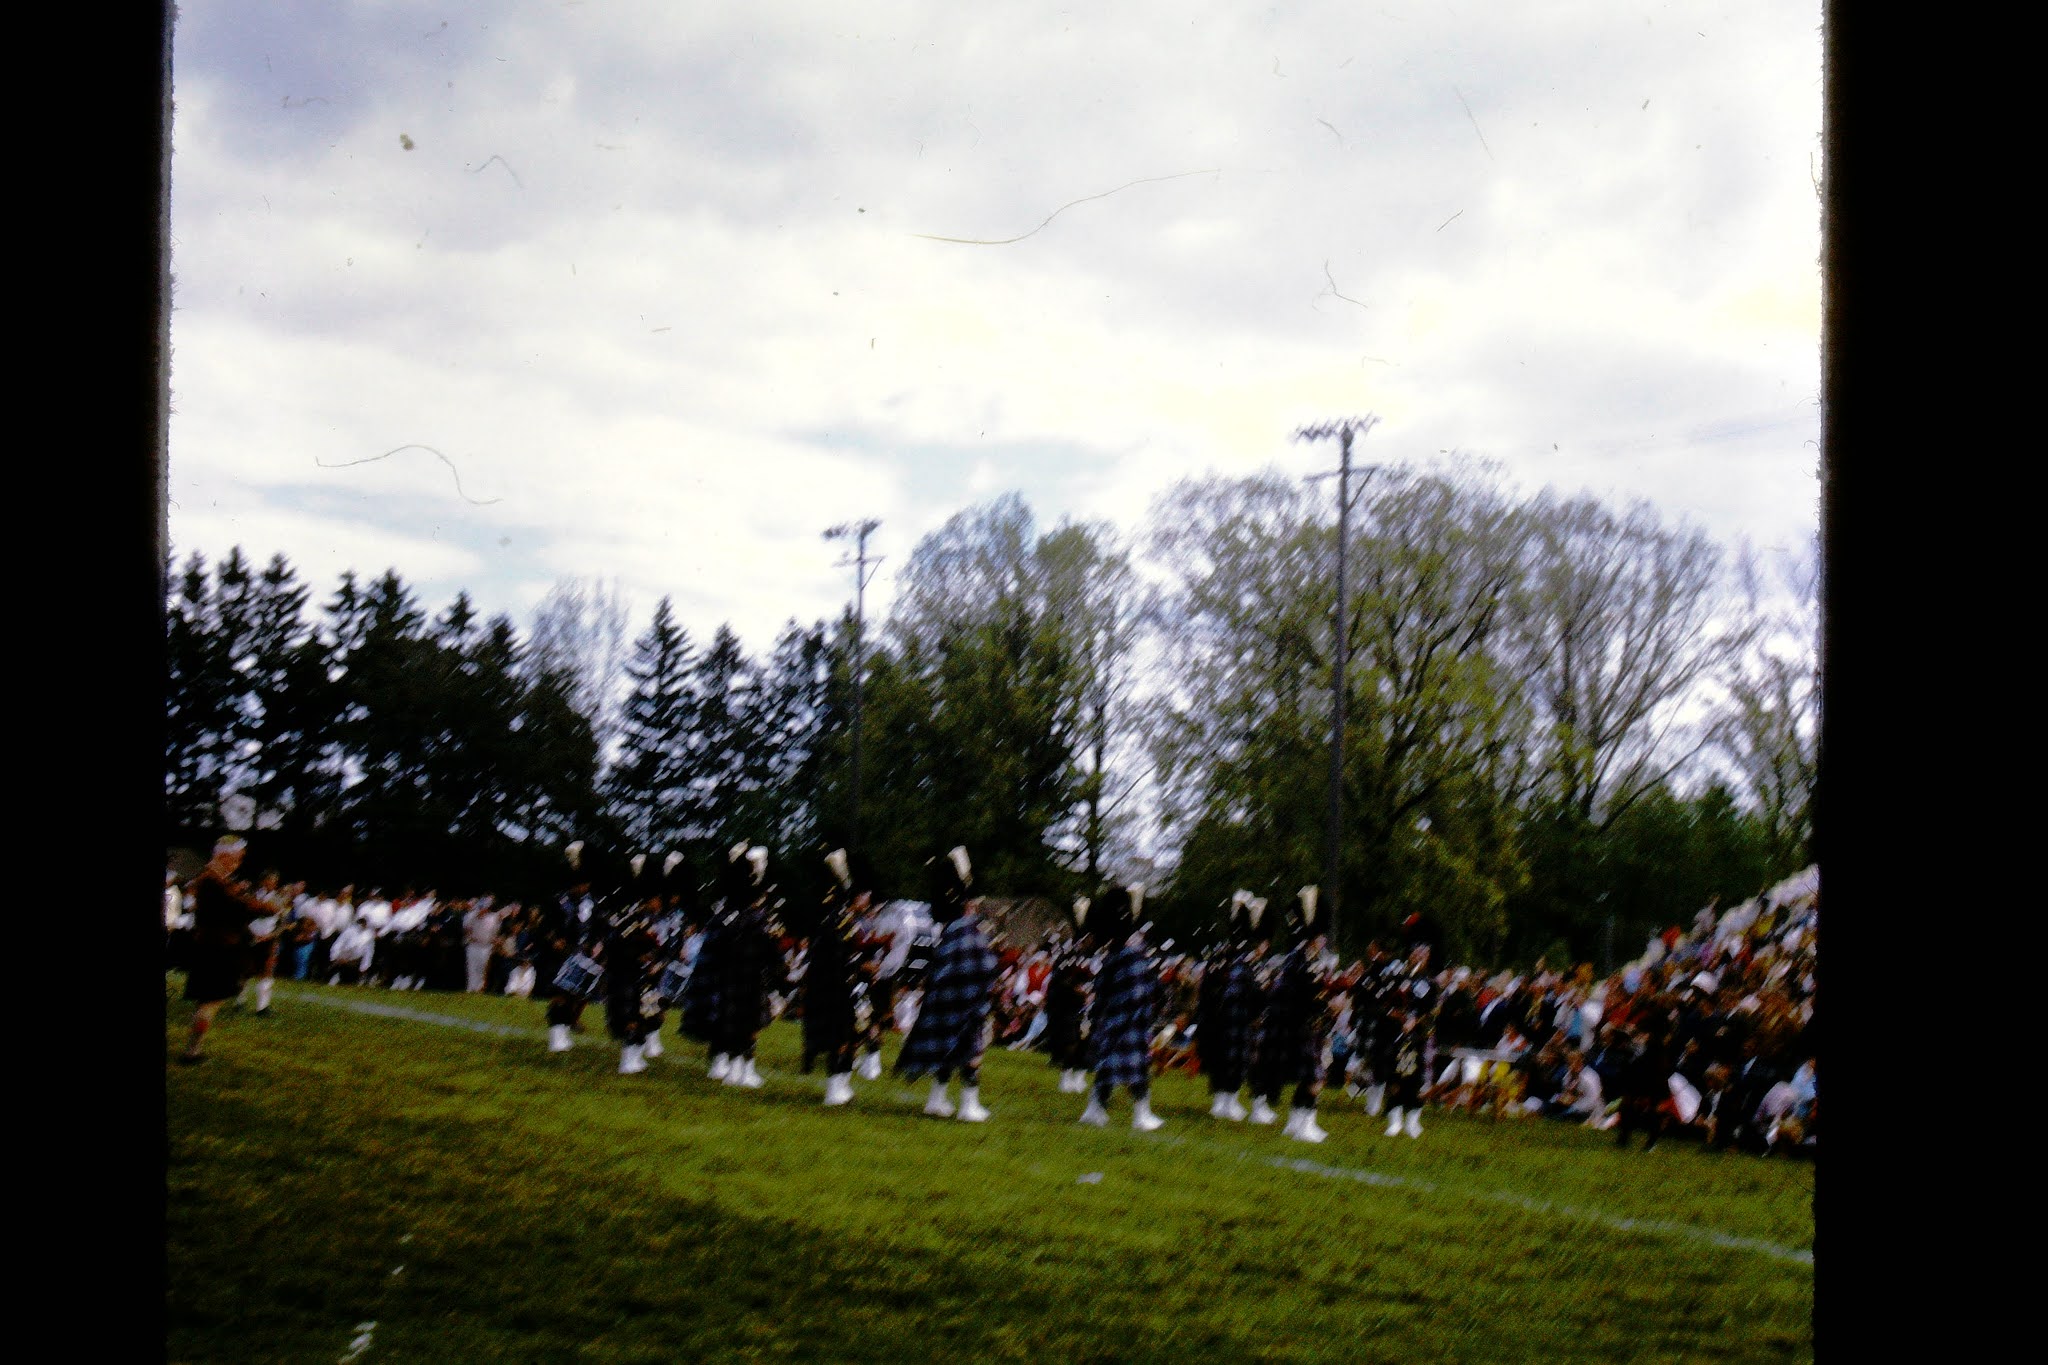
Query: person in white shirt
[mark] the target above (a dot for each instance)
(350, 958)
(479, 935)
(374, 912)
(1581, 1094)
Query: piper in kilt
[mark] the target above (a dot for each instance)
(1228, 1005)
(832, 965)
(1121, 1016)
(1290, 1035)
(632, 1010)
(1066, 1005)
(565, 928)
(1400, 1060)
(675, 900)
(221, 910)
(265, 933)
(701, 1002)
(952, 1020)
(877, 997)
(747, 958)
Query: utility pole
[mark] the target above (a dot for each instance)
(859, 530)
(1344, 430)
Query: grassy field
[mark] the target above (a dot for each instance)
(350, 1183)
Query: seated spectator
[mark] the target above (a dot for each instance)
(1582, 1095)
(1174, 1046)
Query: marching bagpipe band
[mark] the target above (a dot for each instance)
(1260, 1009)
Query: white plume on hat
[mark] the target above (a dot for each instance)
(1308, 896)
(668, 864)
(636, 862)
(1239, 899)
(758, 856)
(961, 865)
(1256, 906)
(575, 854)
(1137, 890)
(836, 860)
(736, 852)
(1081, 904)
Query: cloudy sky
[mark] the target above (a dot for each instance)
(500, 294)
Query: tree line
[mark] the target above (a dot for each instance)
(1565, 722)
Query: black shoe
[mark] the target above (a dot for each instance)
(263, 1013)
(190, 1059)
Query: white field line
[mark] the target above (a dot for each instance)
(905, 1098)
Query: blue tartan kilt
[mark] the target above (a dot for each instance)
(581, 977)
(1122, 1057)
(675, 978)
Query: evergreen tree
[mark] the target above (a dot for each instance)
(648, 789)
(290, 714)
(197, 707)
(720, 808)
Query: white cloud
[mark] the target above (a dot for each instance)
(684, 319)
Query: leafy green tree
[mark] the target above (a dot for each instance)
(1435, 724)
(1767, 728)
(987, 657)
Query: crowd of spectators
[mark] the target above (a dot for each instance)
(1710, 1033)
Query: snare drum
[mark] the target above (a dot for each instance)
(580, 976)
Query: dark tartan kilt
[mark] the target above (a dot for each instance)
(1288, 1056)
(629, 1003)
(828, 1017)
(702, 999)
(214, 972)
(934, 1047)
(882, 1004)
(1066, 1041)
(1220, 1049)
(1122, 1057)
(262, 958)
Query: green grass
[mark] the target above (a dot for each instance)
(545, 1208)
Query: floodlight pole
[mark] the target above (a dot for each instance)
(859, 530)
(1333, 885)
